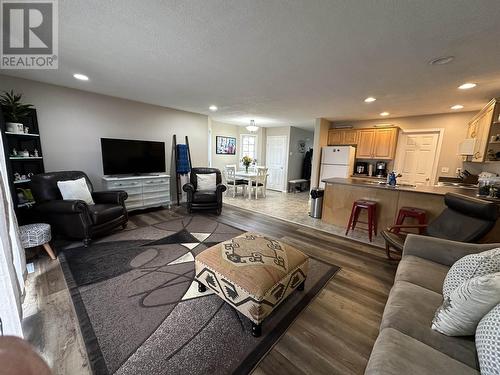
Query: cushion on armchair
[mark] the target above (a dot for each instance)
(103, 213)
(75, 190)
(204, 196)
(206, 181)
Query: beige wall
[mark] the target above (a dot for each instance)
(455, 131)
(321, 127)
(72, 122)
(223, 129)
(296, 158)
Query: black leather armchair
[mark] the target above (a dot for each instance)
(204, 199)
(75, 218)
(465, 219)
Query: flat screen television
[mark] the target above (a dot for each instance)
(125, 156)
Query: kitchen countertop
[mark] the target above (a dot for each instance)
(436, 190)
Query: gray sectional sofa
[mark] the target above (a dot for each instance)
(406, 343)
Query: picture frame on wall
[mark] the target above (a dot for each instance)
(225, 145)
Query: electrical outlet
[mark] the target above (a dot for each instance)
(445, 169)
(458, 171)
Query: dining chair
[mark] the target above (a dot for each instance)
(260, 181)
(231, 181)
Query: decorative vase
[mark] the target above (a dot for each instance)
(246, 168)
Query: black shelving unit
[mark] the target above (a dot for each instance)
(22, 165)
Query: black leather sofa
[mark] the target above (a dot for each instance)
(75, 218)
(204, 199)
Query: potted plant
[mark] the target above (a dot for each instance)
(14, 111)
(247, 160)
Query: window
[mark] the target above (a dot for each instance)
(248, 146)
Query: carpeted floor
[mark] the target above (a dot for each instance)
(140, 310)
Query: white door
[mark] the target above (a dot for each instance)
(417, 157)
(276, 161)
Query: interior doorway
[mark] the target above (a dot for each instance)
(417, 156)
(277, 161)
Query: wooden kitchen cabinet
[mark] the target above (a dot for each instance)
(340, 137)
(372, 143)
(377, 143)
(335, 137)
(350, 137)
(479, 129)
(385, 143)
(366, 139)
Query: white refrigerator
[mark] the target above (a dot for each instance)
(336, 161)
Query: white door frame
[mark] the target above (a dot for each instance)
(285, 170)
(435, 165)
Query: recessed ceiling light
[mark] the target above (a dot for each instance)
(442, 60)
(213, 108)
(457, 106)
(384, 113)
(370, 99)
(466, 86)
(81, 77)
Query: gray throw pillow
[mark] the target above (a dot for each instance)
(461, 312)
(471, 266)
(488, 342)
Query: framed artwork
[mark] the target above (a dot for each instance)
(225, 145)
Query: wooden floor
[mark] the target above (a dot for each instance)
(336, 332)
(333, 335)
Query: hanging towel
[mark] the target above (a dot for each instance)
(182, 159)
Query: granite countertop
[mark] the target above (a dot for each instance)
(436, 190)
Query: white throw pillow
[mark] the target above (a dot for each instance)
(471, 266)
(488, 342)
(75, 189)
(206, 181)
(467, 305)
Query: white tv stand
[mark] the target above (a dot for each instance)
(143, 191)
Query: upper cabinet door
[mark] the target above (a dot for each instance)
(335, 137)
(350, 137)
(385, 143)
(482, 129)
(366, 139)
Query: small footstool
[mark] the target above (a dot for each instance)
(252, 273)
(37, 235)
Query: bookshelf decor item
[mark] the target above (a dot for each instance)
(23, 151)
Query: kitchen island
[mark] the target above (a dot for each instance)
(340, 193)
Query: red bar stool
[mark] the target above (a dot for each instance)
(371, 207)
(417, 213)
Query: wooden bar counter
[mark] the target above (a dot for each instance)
(340, 193)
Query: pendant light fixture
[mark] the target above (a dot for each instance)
(252, 128)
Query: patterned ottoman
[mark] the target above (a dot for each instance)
(252, 273)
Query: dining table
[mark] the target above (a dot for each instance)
(250, 176)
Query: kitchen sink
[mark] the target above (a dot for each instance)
(461, 185)
(380, 183)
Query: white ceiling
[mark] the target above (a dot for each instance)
(279, 61)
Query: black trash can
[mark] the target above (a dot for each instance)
(316, 203)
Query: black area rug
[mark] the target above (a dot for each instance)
(140, 310)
